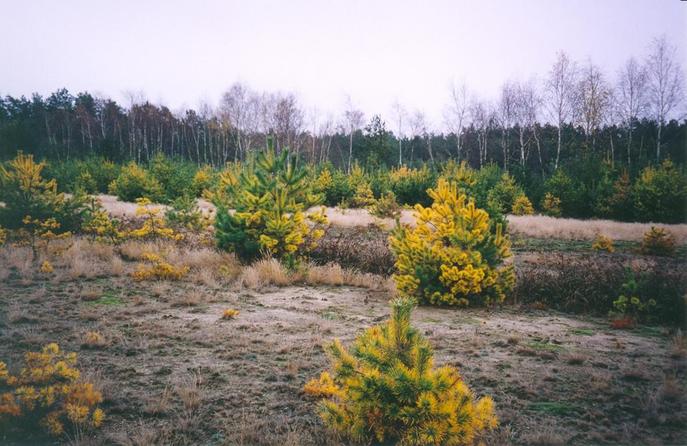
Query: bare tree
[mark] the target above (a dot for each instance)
(456, 114)
(418, 129)
(593, 101)
(630, 98)
(239, 108)
(506, 114)
(399, 115)
(526, 110)
(665, 84)
(560, 88)
(481, 116)
(353, 120)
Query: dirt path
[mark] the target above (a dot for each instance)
(554, 378)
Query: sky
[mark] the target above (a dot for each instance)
(375, 52)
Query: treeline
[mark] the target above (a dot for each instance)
(573, 114)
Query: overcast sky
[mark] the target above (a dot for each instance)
(180, 53)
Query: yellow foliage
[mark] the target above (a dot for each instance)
(158, 268)
(46, 267)
(452, 256)
(387, 390)
(101, 227)
(522, 206)
(658, 241)
(3, 236)
(154, 225)
(551, 205)
(230, 313)
(603, 243)
(363, 196)
(49, 386)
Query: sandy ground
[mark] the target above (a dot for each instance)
(535, 226)
(181, 375)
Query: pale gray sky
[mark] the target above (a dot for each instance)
(179, 53)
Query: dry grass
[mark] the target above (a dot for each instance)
(333, 274)
(539, 226)
(94, 340)
(263, 273)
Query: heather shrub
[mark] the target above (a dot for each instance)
(269, 199)
(660, 194)
(386, 389)
(26, 193)
(454, 255)
(48, 392)
(658, 242)
(135, 182)
(590, 283)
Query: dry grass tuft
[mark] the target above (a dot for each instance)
(678, 345)
(189, 298)
(263, 273)
(93, 340)
(160, 404)
(334, 275)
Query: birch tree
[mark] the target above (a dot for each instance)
(630, 98)
(560, 89)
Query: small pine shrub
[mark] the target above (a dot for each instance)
(453, 256)
(269, 199)
(154, 225)
(410, 185)
(386, 206)
(660, 194)
(386, 389)
(630, 304)
(230, 313)
(203, 180)
(49, 389)
(174, 177)
(603, 243)
(100, 227)
(185, 213)
(363, 196)
(522, 206)
(155, 267)
(134, 182)
(551, 205)
(3, 235)
(501, 198)
(25, 192)
(658, 242)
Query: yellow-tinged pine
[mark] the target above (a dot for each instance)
(386, 389)
(454, 255)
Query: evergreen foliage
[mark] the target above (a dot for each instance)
(454, 255)
(386, 389)
(268, 201)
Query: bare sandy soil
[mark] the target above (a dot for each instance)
(174, 372)
(535, 226)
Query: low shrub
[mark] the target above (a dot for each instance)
(522, 206)
(631, 304)
(154, 225)
(386, 206)
(603, 243)
(157, 268)
(590, 283)
(385, 389)
(658, 242)
(551, 205)
(48, 392)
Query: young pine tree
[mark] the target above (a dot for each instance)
(387, 389)
(264, 210)
(454, 255)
